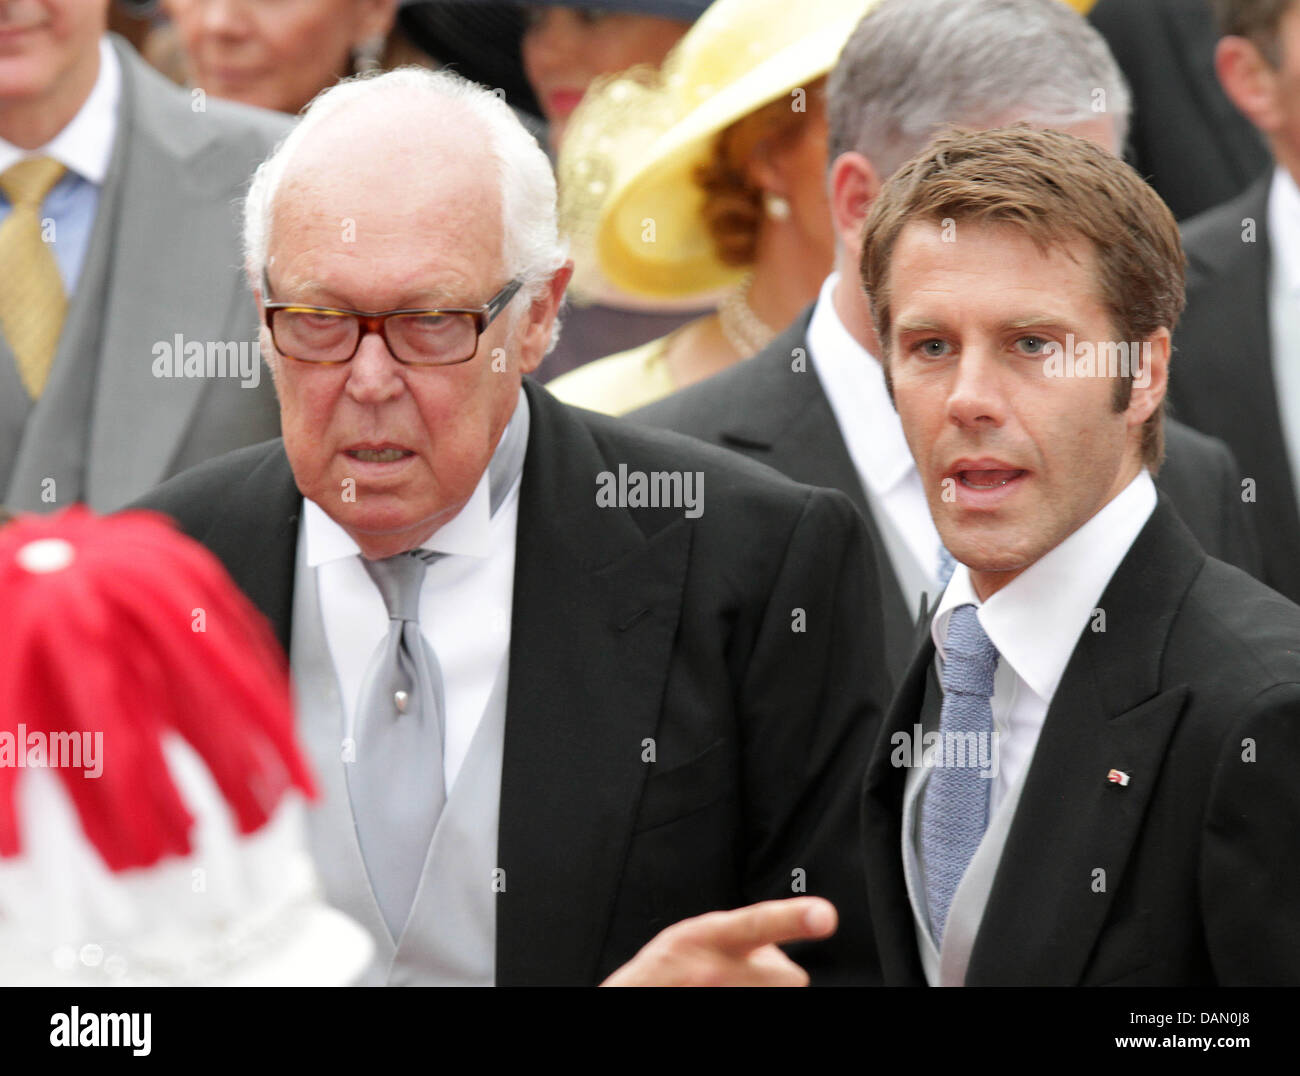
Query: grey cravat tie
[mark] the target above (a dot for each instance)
(396, 780)
(955, 810)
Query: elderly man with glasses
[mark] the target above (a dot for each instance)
(564, 681)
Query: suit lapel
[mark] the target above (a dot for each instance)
(882, 827)
(786, 416)
(1239, 354)
(1066, 853)
(1074, 830)
(172, 177)
(596, 605)
(786, 421)
(1235, 397)
(256, 537)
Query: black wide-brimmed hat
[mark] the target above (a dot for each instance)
(480, 39)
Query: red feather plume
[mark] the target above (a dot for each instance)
(139, 633)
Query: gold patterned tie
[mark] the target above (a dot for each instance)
(32, 302)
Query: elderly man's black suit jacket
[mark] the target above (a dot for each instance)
(1193, 690)
(745, 643)
(769, 412)
(1223, 368)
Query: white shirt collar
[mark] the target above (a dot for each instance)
(1036, 619)
(84, 146)
(465, 534)
(854, 382)
(1284, 227)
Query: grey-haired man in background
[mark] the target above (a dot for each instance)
(813, 403)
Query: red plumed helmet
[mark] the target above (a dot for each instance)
(123, 627)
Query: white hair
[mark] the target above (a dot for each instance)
(532, 249)
(914, 66)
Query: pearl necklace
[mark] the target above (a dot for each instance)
(745, 331)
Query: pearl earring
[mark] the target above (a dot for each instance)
(776, 207)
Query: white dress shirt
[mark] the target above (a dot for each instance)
(1036, 620)
(465, 608)
(85, 148)
(854, 382)
(1284, 308)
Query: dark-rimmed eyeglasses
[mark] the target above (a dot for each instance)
(329, 337)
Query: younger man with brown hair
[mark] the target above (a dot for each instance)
(1087, 776)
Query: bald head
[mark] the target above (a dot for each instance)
(370, 141)
(390, 132)
(361, 182)
(362, 208)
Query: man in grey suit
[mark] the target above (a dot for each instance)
(127, 342)
(813, 404)
(1239, 342)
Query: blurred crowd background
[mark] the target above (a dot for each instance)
(738, 199)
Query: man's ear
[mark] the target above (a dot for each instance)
(537, 328)
(1250, 81)
(854, 184)
(1150, 377)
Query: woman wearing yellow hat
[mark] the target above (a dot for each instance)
(706, 180)
(543, 55)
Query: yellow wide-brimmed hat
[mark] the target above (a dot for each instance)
(628, 196)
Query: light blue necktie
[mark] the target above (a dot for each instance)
(955, 811)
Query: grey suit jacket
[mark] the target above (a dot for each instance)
(1223, 368)
(765, 410)
(164, 261)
